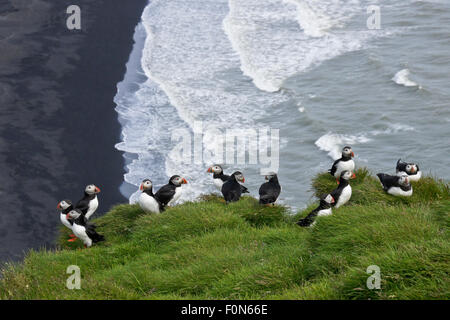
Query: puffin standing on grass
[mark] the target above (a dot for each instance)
(65, 206)
(324, 209)
(82, 229)
(396, 185)
(232, 189)
(147, 200)
(343, 192)
(411, 169)
(219, 177)
(344, 163)
(89, 203)
(171, 192)
(270, 190)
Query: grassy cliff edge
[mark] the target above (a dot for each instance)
(209, 250)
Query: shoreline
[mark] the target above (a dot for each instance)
(60, 125)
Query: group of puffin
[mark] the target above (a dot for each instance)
(76, 217)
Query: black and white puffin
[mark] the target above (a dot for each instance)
(324, 209)
(411, 169)
(82, 229)
(65, 206)
(219, 177)
(147, 200)
(89, 203)
(171, 192)
(270, 190)
(344, 163)
(232, 189)
(343, 192)
(396, 185)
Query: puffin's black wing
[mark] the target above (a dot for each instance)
(244, 189)
(83, 205)
(231, 191)
(90, 231)
(309, 219)
(333, 169)
(268, 193)
(387, 180)
(401, 166)
(165, 194)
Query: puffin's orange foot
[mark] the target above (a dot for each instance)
(72, 235)
(72, 240)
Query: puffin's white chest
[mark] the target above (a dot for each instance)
(64, 221)
(80, 232)
(344, 165)
(176, 196)
(93, 205)
(148, 203)
(218, 183)
(345, 196)
(324, 212)
(397, 191)
(412, 177)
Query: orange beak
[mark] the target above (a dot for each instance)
(67, 216)
(58, 206)
(243, 179)
(353, 175)
(413, 170)
(353, 154)
(97, 189)
(332, 200)
(141, 187)
(209, 169)
(184, 181)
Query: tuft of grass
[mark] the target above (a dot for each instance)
(209, 250)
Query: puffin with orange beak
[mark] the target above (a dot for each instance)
(396, 185)
(65, 206)
(89, 203)
(220, 178)
(324, 209)
(343, 192)
(147, 200)
(232, 189)
(411, 169)
(344, 163)
(171, 192)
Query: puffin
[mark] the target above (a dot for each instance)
(82, 229)
(411, 169)
(89, 203)
(324, 209)
(65, 206)
(396, 185)
(232, 189)
(171, 192)
(270, 190)
(147, 200)
(219, 177)
(343, 192)
(344, 163)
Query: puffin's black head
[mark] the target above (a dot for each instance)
(74, 214)
(238, 176)
(403, 180)
(326, 200)
(347, 152)
(177, 180)
(347, 175)
(64, 204)
(146, 185)
(270, 176)
(91, 189)
(215, 169)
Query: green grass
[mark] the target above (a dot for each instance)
(209, 250)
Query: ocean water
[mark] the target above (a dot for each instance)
(310, 74)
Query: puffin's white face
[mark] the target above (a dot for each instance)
(403, 180)
(64, 204)
(329, 199)
(347, 175)
(91, 189)
(239, 177)
(411, 168)
(178, 181)
(146, 185)
(73, 214)
(347, 152)
(215, 169)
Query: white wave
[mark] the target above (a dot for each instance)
(401, 78)
(276, 39)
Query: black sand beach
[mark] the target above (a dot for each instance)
(58, 123)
